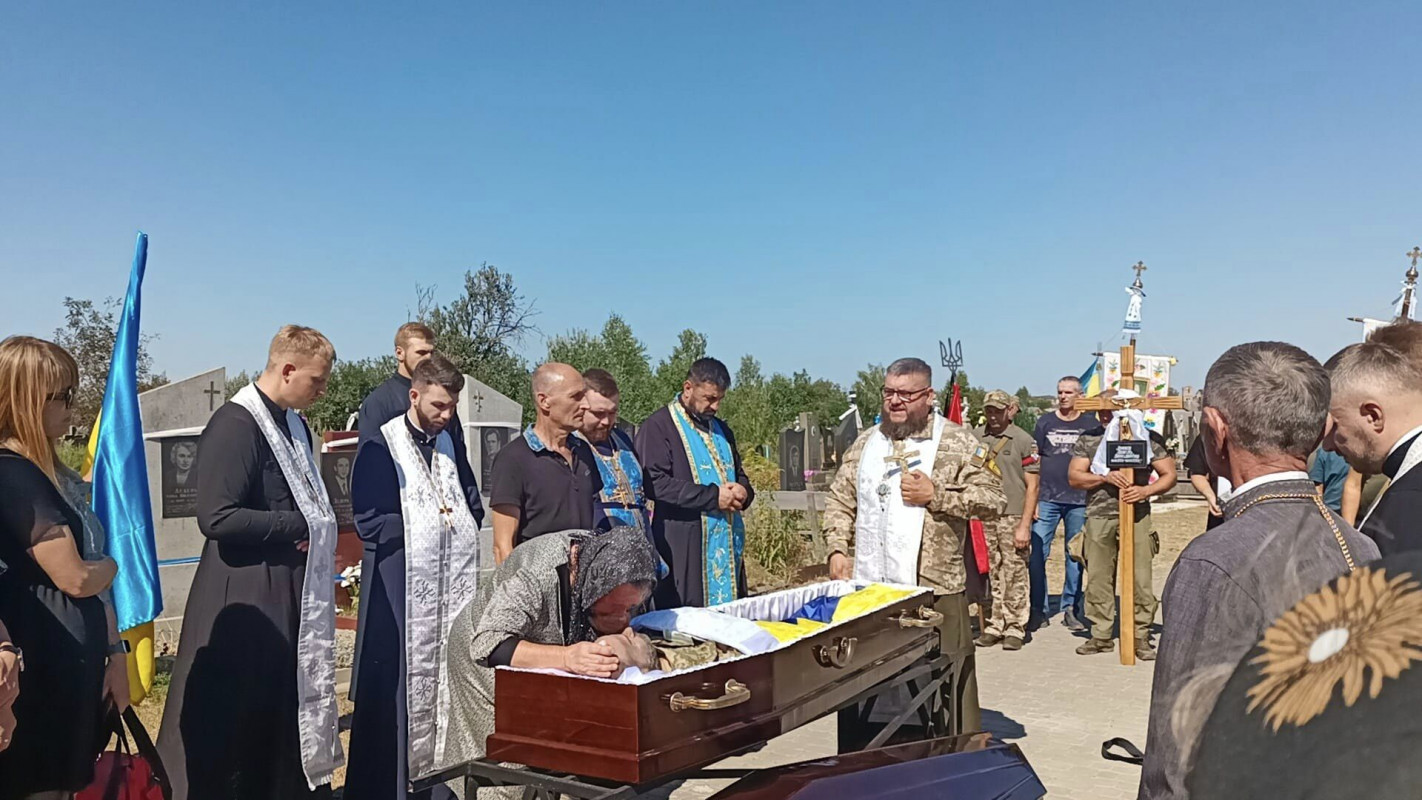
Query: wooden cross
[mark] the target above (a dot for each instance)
(212, 392)
(1126, 547)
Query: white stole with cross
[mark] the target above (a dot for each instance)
(317, 713)
(441, 574)
(888, 534)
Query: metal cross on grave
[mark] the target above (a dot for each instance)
(212, 392)
(1126, 546)
(478, 400)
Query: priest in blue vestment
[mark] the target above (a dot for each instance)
(417, 505)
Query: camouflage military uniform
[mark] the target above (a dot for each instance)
(961, 489)
(1013, 455)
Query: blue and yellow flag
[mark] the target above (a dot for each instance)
(121, 502)
(1091, 380)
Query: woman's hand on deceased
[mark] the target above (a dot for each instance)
(594, 659)
(631, 648)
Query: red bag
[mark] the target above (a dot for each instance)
(122, 775)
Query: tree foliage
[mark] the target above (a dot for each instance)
(480, 330)
(671, 371)
(617, 350)
(350, 382)
(868, 392)
(88, 334)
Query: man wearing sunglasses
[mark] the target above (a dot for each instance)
(902, 497)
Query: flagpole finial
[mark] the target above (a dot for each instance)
(1415, 254)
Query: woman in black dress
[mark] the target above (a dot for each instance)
(73, 667)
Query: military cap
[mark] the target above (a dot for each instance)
(997, 398)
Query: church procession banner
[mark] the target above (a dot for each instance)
(1152, 380)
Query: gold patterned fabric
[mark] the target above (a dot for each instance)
(961, 490)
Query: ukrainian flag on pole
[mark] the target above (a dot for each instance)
(1091, 381)
(120, 478)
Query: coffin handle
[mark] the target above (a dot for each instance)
(927, 618)
(839, 655)
(736, 693)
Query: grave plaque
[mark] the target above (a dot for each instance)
(792, 460)
(174, 416)
(845, 433)
(491, 441)
(491, 420)
(337, 459)
(179, 466)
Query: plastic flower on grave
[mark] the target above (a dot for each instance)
(349, 577)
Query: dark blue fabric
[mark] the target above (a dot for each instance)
(1055, 439)
(821, 609)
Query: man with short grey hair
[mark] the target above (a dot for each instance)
(1265, 408)
(1377, 428)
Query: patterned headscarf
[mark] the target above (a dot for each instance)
(605, 561)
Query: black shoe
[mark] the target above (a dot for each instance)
(988, 640)
(1015, 643)
(1039, 622)
(1072, 622)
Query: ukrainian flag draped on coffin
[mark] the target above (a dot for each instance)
(121, 502)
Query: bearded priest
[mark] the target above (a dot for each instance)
(416, 503)
(902, 497)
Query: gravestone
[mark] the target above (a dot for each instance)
(792, 460)
(845, 433)
(817, 472)
(491, 420)
(335, 459)
(174, 415)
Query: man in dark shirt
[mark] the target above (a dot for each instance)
(1057, 501)
(546, 480)
(1206, 483)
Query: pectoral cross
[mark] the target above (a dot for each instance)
(900, 458)
(621, 495)
(1126, 546)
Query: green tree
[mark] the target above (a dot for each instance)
(747, 408)
(671, 371)
(237, 380)
(480, 329)
(88, 334)
(868, 392)
(617, 350)
(350, 382)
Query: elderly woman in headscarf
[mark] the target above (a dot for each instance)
(559, 601)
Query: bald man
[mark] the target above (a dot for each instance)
(546, 480)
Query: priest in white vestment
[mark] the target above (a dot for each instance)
(416, 503)
(899, 506)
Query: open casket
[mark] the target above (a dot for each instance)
(638, 733)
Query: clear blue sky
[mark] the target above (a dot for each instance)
(821, 184)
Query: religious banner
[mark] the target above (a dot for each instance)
(1152, 379)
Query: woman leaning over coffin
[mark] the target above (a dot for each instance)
(559, 601)
(71, 664)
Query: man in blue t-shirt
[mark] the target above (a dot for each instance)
(1329, 472)
(1056, 434)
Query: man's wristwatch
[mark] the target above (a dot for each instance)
(120, 647)
(8, 647)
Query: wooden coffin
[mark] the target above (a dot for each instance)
(638, 734)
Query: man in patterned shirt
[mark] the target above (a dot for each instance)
(902, 497)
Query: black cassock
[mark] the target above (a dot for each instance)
(384, 403)
(680, 502)
(229, 729)
(1396, 523)
(379, 741)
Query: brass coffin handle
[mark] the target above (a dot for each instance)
(839, 655)
(927, 618)
(736, 693)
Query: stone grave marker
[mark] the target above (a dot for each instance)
(491, 420)
(792, 459)
(174, 415)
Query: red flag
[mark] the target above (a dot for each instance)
(955, 406)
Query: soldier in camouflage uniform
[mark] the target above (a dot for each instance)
(902, 497)
(1011, 454)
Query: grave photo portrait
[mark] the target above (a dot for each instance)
(491, 441)
(336, 474)
(179, 454)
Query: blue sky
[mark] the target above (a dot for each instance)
(820, 184)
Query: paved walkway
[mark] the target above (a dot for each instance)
(1056, 705)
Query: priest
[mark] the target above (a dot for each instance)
(622, 501)
(1377, 427)
(1265, 407)
(414, 342)
(416, 502)
(902, 499)
(252, 706)
(695, 479)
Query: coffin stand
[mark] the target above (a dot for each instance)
(588, 738)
